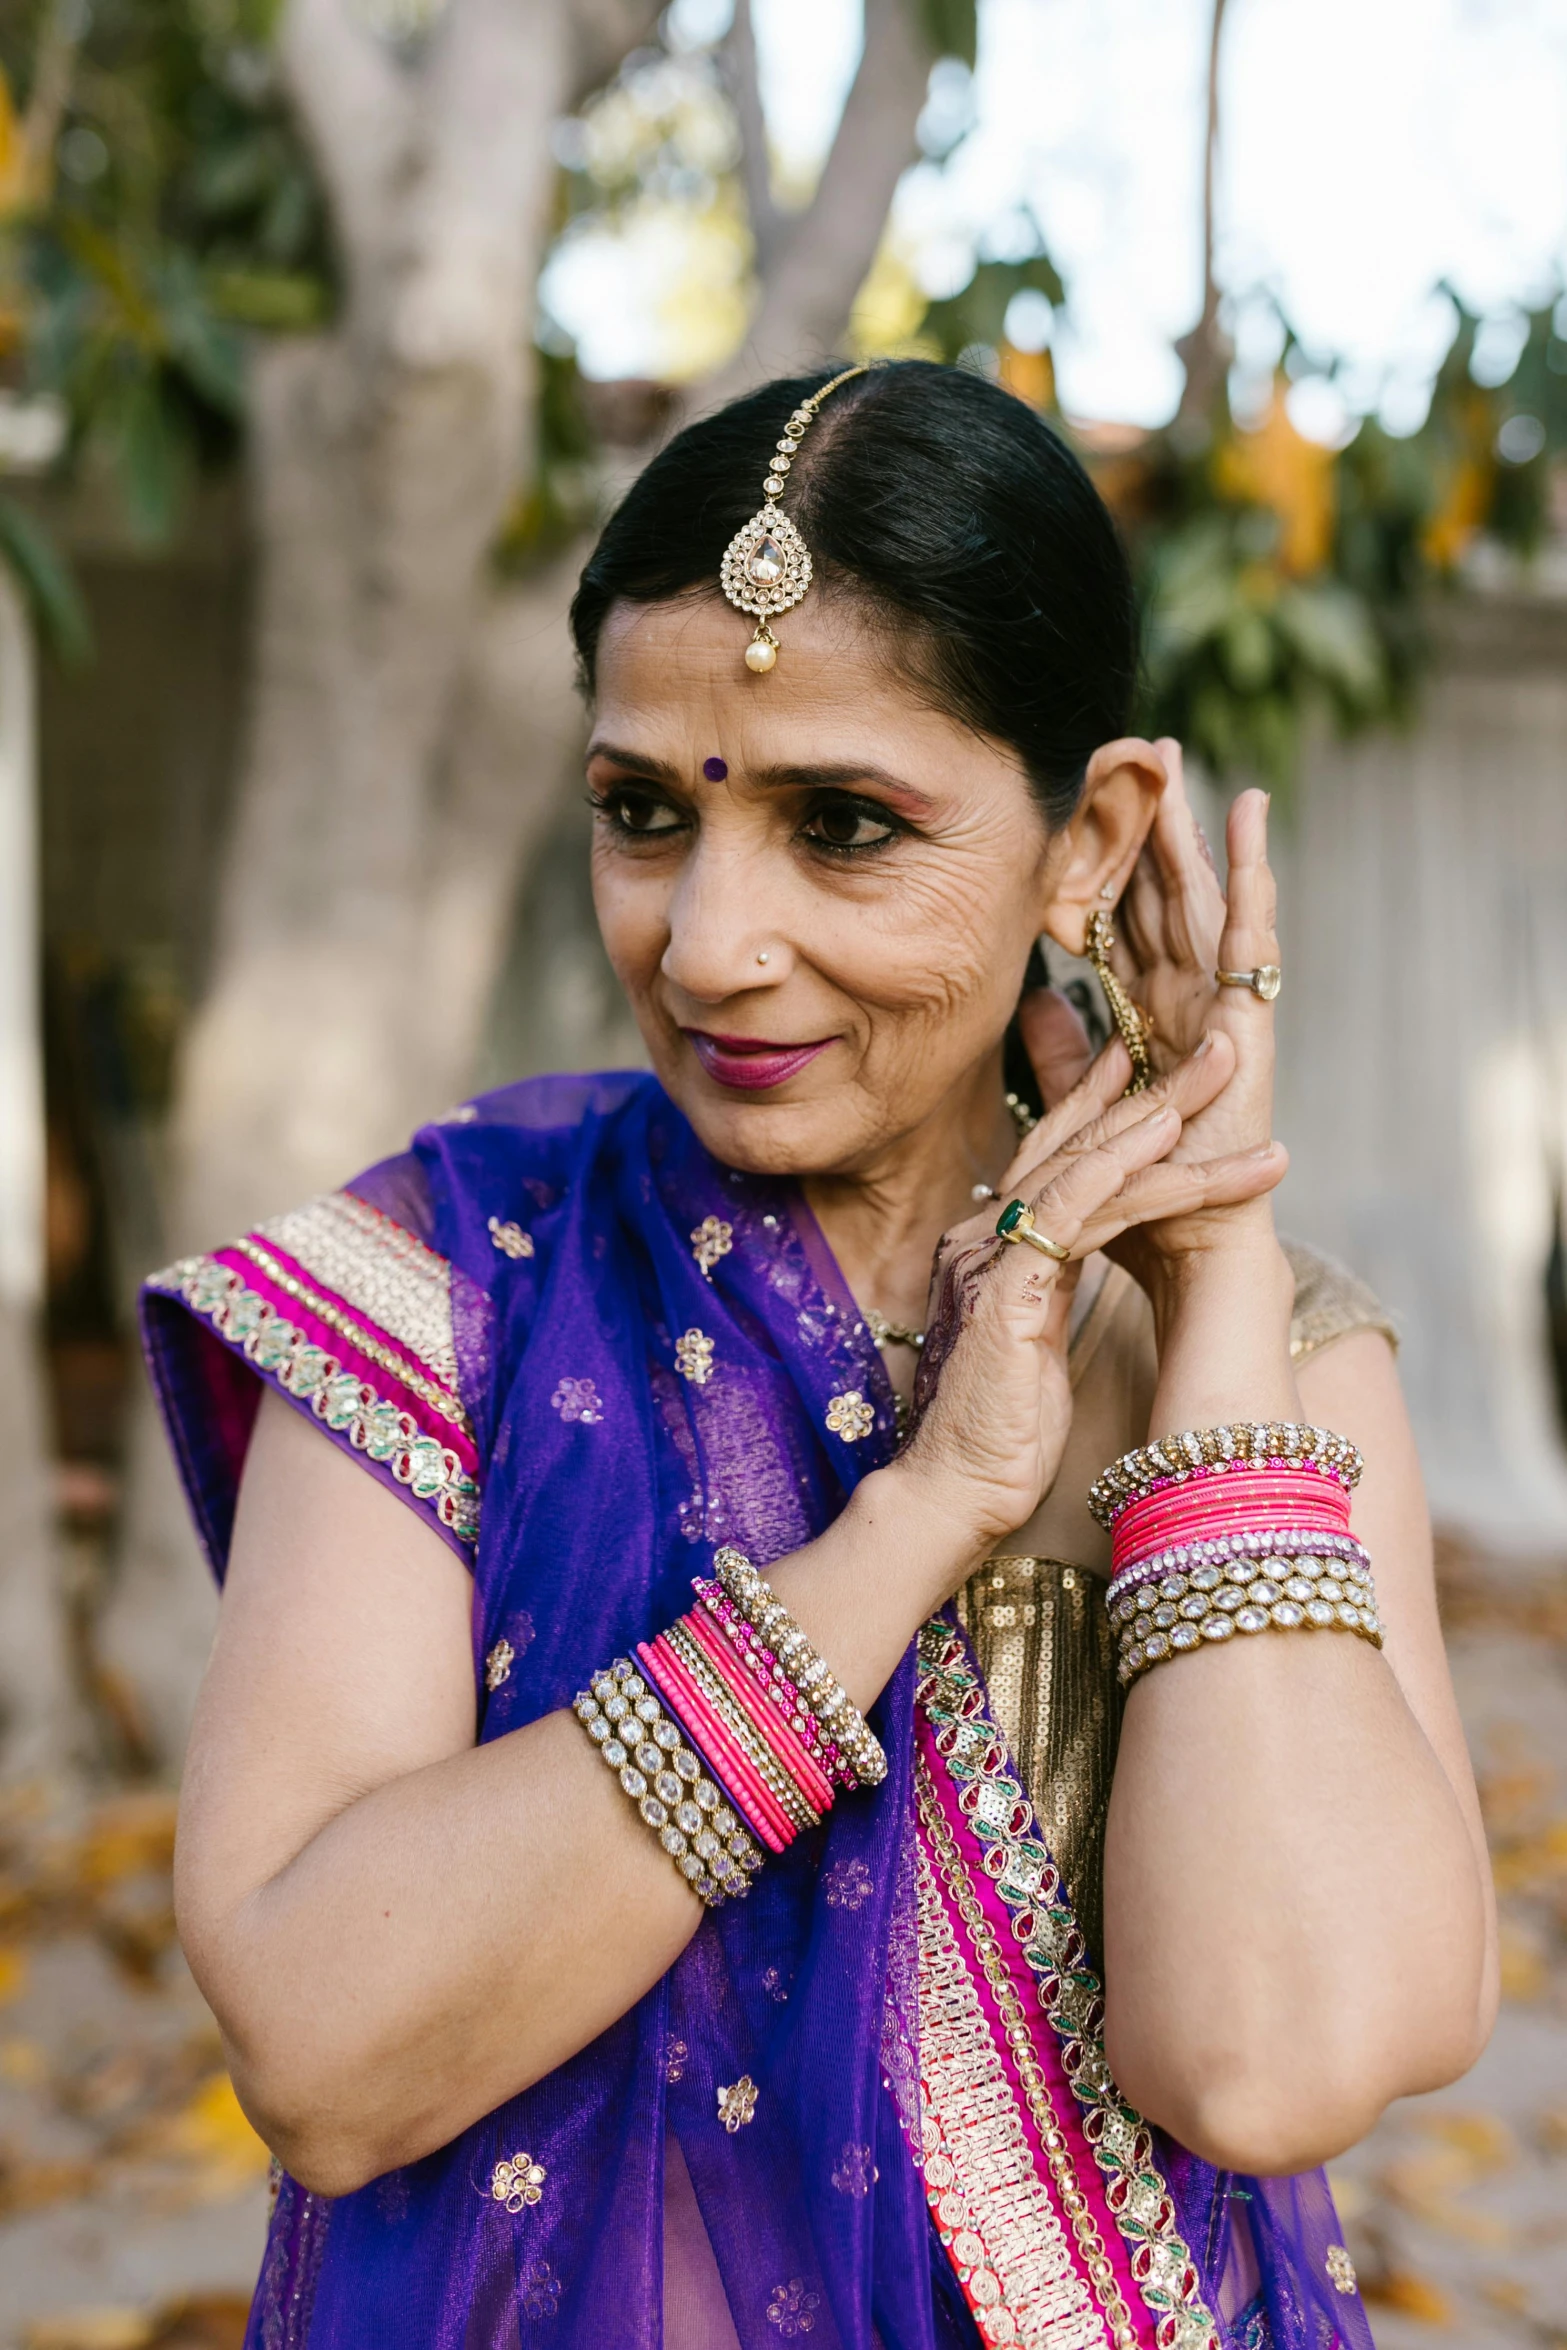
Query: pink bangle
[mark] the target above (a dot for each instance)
(1208, 1506)
(780, 1692)
(741, 1781)
(792, 1754)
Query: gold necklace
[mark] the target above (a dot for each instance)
(886, 1333)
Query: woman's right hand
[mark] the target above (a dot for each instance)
(992, 1401)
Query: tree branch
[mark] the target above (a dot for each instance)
(603, 34)
(824, 260)
(357, 111)
(768, 226)
(1205, 352)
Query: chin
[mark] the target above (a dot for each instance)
(762, 1136)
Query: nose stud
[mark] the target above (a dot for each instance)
(764, 956)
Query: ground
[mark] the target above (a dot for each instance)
(133, 2193)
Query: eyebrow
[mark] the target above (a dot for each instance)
(834, 775)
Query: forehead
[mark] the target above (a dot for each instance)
(672, 682)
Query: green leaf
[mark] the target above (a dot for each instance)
(44, 577)
(1332, 631)
(279, 300)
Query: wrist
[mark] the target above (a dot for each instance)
(924, 1523)
(1239, 1259)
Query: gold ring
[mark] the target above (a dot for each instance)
(1265, 981)
(1016, 1223)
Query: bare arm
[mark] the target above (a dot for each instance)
(1298, 1915)
(398, 1929)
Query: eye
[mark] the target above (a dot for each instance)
(845, 824)
(636, 815)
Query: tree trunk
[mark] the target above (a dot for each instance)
(411, 724)
(383, 459)
(38, 1717)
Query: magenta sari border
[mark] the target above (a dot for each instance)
(996, 1840)
(1105, 2248)
(298, 1297)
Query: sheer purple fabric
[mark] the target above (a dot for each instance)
(607, 1477)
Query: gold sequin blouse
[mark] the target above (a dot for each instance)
(1036, 1614)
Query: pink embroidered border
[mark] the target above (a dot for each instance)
(987, 1823)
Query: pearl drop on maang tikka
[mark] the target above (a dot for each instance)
(767, 565)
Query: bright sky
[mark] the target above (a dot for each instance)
(1372, 149)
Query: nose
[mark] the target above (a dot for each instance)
(721, 942)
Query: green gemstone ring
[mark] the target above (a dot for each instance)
(1016, 1223)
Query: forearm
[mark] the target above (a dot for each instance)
(1295, 1926)
(453, 1934)
(1293, 1923)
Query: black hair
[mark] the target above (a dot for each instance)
(950, 511)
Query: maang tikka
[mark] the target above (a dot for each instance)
(767, 565)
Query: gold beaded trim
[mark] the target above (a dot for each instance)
(741, 1728)
(1209, 1604)
(993, 2214)
(345, 1403)
(1257, 1444)
(841, 1723)
(648, 1753)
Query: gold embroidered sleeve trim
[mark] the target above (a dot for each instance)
(372, 1423)
(375, 1264)
(366, 1342)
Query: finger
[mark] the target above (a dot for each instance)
(1075, 1194)
(1056, 1041)
(1176, 898)
(1182, 1187)
(1189, 1087)
(1251, 901)
(1104, 1081)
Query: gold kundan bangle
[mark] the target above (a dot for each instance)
(1255, 1443)
(765, 1612)
(649, 1755)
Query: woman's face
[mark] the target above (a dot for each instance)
(818, 895)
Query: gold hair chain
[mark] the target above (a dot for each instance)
(767, 565)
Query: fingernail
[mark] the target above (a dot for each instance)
(1207, 1039)
(1264, 1150)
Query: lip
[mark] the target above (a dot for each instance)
(751, 1064)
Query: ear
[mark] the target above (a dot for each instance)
(1104, 838)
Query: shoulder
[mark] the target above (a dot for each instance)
(370, 1308)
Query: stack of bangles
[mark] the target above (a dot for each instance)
(732, 1734)
(1232, 1530)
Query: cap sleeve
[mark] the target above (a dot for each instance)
(347, 1313)
(1330, 1302)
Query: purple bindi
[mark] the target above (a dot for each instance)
(715, 769)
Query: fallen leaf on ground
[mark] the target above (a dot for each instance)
(13, 1973)
(90, 2329)
(23, 2063)
(1411, 2296)
(210, 2133)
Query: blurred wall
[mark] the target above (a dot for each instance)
(1424, 1049)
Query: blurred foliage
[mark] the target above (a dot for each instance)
(1282, 578)
(155, 202)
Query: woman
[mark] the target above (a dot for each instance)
(595, 1338)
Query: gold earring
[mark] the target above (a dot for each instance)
(1131, 1024)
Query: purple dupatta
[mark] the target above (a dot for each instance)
(493, 1324)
